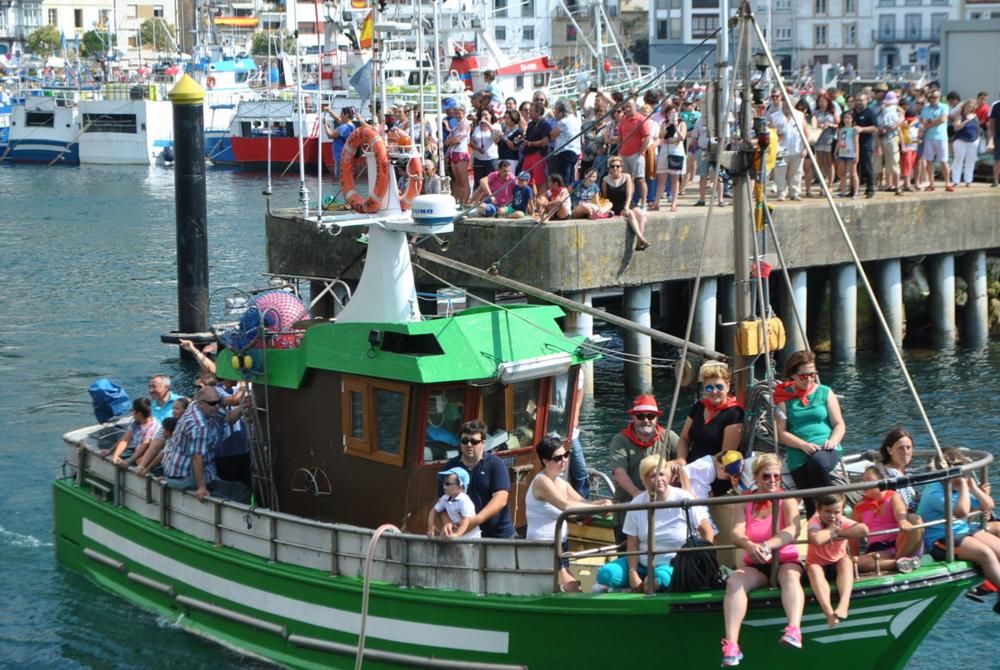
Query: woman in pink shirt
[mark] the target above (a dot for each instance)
(884, 511)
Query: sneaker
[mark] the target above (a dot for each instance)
(731, 654)
(907, 564)
(795, 198)
(792, 637)
(700, 203)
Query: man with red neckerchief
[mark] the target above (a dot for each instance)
(642, 437)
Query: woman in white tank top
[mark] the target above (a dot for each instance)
(548, 496)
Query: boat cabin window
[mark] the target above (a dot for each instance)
(40, 119)
(540, 80)
(444, 415)
(562, 390)
(375, 415)
(110, 123)
(511, 415)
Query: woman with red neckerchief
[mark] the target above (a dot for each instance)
(715, 423)
(809, 425)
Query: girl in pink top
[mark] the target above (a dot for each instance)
(886, 510)
(828, 558)
(752, 533)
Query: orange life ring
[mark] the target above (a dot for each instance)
(365, 135)
(210, 82)
(414, 183)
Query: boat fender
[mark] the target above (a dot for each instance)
(210, 82)
(245, 361)
(365, 136)
(199, 339)
(750, 336)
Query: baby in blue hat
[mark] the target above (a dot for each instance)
(454, 511)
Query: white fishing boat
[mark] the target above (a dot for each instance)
(45, 127)
(130, 125)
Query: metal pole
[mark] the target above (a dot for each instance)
(599, 66)
(191, 210)
(742, 208)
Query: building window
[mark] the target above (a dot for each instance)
(499, 8)
(936, 21)
(158, 11)
(912, 23)
(528, 8)
(850, 7)
(529, 34)
(53, 17)
(939, 2)
(851, 35)
(821, 7)
(704, 4)
(887, 27)
(570, 32)
(78, 18)
(912, 3)
(662, 29)
(675, 4)
(676, 27)
(703, 25)
(782, 5)
(820, 35)
(783, 34)
(500, 33)
(375, 417)
(886, 3)
(663, 4)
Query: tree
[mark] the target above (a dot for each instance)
(258, 45)
(94, 43)
(45, 41)
(157, 33)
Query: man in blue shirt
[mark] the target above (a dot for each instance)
(339, 136)
(161, 399)
(190, 463)
(934, 127)
(489, 481)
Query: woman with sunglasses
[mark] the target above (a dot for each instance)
(548, 496)
(715, 423)
(672, 526)
(809, 425)
(752, 533)
(617, 187)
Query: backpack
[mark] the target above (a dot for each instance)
(109, 400)
(695, 570)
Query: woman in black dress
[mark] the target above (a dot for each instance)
(617, 187)
(715, 423)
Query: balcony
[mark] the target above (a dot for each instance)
(896, 36)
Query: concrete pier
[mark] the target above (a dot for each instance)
(975, 316)
(941, 303)
(706, 313)
(579, 324)
(844, 305)
(638, 348)
(889, 291)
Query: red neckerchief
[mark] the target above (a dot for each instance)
(867, 503)
(761, 504)
(629, 432)
(712, 409)
(788, 391)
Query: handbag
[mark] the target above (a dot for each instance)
(675, 162)
(695, 570)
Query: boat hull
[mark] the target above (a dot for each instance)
(55, 152)
(308, 618)
(252, 152)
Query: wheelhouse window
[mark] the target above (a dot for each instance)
(374, 418)
(39, 119)
(444, 414)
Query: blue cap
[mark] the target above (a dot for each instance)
(732, 461)
(461, 473)
(524, 176)
(449, 103)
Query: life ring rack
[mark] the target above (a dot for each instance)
(365, 136)
(210, 82)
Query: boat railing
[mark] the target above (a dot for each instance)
(980, 463)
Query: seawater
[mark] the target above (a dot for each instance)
(87, 285)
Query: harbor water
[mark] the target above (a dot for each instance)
(88, 285)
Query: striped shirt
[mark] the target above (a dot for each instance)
(195, 434)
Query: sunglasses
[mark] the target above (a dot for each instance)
(711, 388)
(213, 403)
(806, 375)
(645, 417)
(615, 165)
(470, 440)
(450, 482)
(558, 458)
(770, 477)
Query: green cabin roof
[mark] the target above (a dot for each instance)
(463, 347)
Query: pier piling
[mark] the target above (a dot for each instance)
(941, 305)
(638, 348)
(797, 295)
(975, 316)
(191, 209)
(889, 288)
(579, 324)
(844, 320)
(705, 314)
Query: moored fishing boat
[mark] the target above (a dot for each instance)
(352, 419)
(45, 126)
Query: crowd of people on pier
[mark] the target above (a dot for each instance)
(905, 139)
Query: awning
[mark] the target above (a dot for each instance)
(237, 21)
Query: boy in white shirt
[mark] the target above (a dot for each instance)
(452, 514)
